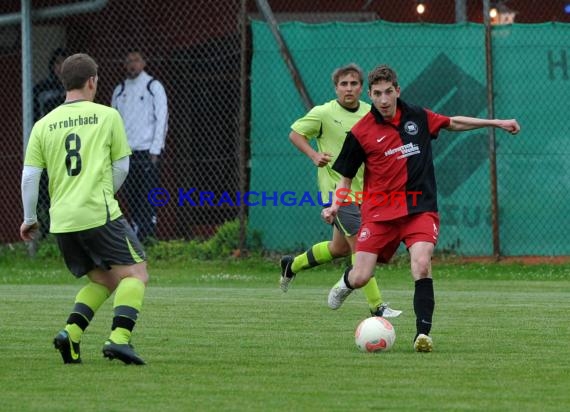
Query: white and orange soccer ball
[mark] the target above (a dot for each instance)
(375, 334)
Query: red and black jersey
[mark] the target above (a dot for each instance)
(399, 176)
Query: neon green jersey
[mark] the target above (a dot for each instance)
(77, 143)
(329, 123)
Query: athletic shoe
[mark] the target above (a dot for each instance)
(386, 311)
(287, 274)
(124, 352)
(69, 350)
(423, 343)
(338, 294)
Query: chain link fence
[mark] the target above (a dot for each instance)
(196, 49)
(453, 69)
(232, 96)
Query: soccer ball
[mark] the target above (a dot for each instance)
(374, 334)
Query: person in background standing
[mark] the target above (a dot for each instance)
(141, 100)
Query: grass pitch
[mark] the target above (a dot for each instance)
(221, 336)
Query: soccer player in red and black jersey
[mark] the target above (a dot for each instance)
(399, 201)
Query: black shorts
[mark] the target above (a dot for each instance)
(114, 243)
(347, 220)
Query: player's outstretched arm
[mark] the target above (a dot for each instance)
(510, 125)
(462, 123)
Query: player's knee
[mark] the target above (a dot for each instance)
(139, 271)
(145, 278)
(340, 250)
(359, 278)
(421, 265)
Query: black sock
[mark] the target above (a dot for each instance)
(424, 304)
(345, 277)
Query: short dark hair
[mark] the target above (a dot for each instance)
(76, 70)
(349, 68)
(382, 73)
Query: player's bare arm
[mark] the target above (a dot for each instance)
(462, 123)
(301, 143)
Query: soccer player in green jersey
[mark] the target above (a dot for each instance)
(84, 149)
(328, 124)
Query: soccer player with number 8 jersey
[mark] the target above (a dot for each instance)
(84, 149)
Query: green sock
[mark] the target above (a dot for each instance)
(316, 255)
(127, 304)
(371, 290)
(88, 300)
